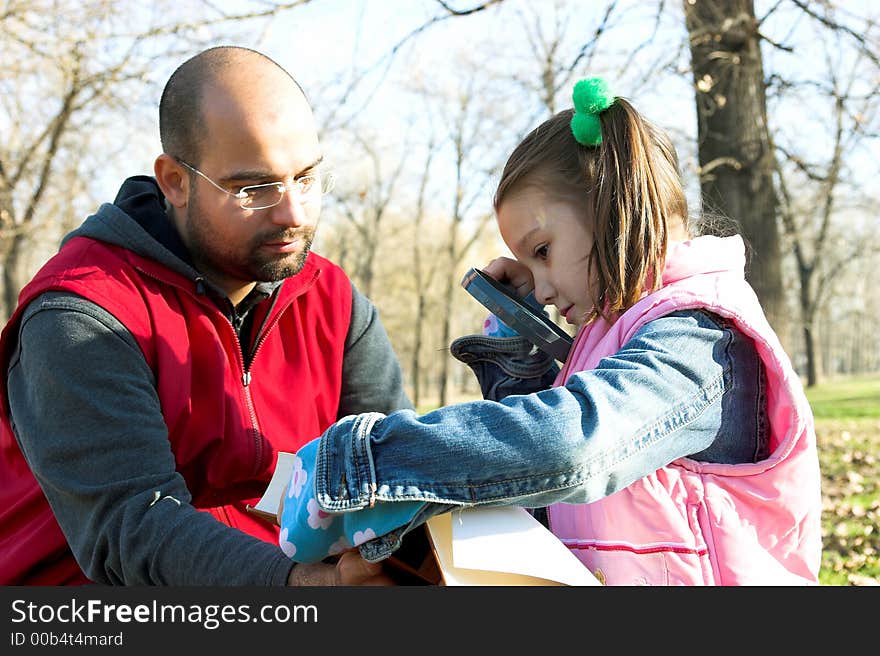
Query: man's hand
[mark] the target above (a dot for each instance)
(350, 569)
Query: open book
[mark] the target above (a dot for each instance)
(267, 506)
(486, 545)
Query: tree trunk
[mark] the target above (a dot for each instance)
(417, 347)
(13, 277)
(810, 353)
(368, 264)
(445, 328)
(735, 152)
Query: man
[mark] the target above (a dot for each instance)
(181, 337)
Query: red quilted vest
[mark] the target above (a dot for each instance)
(225, 424)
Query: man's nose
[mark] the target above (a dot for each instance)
(291, 210)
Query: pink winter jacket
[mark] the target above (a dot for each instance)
(698, 523)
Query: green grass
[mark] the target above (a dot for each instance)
(848, 433)
(851, 398)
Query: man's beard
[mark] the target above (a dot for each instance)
(271, 270)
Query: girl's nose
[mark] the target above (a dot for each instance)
(543, 292)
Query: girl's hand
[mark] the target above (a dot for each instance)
(512, 273)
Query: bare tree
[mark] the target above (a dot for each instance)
(471, 120)
(366, 207)
(67, 67)
(41, 122)
(823, 243)
(424, 270)
(552, 68)
(733, 140)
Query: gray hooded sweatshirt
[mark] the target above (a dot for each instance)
(100, 463)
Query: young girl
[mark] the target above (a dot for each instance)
(675, 446)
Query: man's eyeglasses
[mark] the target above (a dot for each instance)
(263, 196)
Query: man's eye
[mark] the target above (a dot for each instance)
(259, 190)
(541, 251)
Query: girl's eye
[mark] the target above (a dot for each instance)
(541, 251)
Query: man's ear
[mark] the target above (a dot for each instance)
(173, 179)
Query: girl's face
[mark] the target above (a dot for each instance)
(549, 235)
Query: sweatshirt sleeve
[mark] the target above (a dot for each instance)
(87, 418)
(372, 379)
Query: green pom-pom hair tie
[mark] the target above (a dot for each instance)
(591, 97)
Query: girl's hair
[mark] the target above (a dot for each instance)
(631, 183)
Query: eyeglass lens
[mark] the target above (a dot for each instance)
(263, 196)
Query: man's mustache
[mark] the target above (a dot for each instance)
(286, 236)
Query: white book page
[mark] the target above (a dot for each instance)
(508, 539)
(271, 499)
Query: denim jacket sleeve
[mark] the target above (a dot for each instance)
(659, 398)
(505, 365)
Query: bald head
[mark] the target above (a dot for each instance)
(232, 75)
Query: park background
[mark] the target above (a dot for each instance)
(773, 106)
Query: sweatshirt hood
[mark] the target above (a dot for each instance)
(137, 220)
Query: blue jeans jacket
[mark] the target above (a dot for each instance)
(505, 365)
(690, 372)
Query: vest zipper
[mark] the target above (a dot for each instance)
(249, 401)
(264, 329)
(246, 377)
